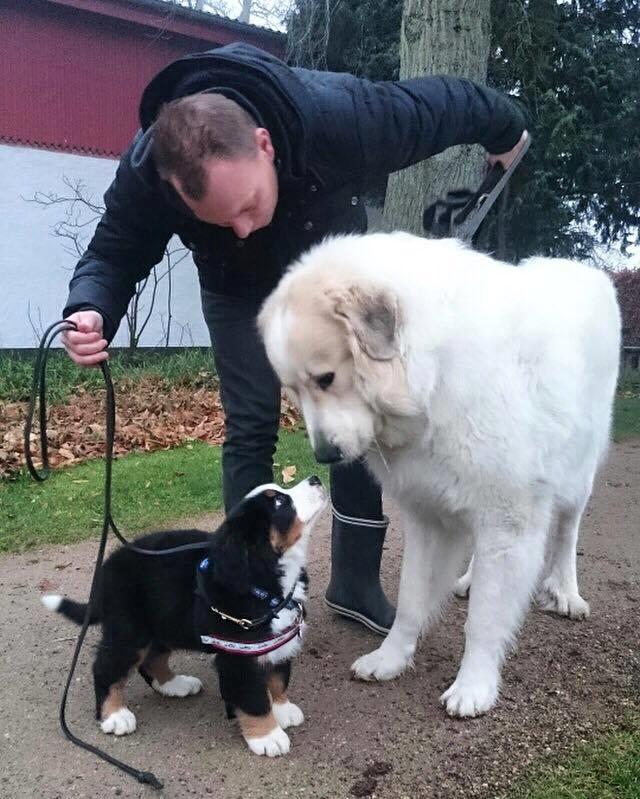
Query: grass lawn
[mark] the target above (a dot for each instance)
(606, 769)
(626, 417)
(626, 420)
(187, 480)
(191, 367)
(148, 489)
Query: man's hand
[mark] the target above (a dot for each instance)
(86, 346)
(506, 158)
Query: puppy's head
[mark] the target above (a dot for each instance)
(333, 335)
(267, 526)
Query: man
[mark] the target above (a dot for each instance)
(250, 162)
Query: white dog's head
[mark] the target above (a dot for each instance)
(333, 336)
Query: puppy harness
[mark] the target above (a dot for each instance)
(252, 647)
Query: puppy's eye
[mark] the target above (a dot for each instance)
(325, 380)
(281, 499)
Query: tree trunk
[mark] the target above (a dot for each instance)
(245, 14)
(448, 37)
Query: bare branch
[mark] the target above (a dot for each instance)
(38, 329)
(81, 214)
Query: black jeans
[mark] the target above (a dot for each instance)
(250, 394)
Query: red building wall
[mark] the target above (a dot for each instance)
(71, 78)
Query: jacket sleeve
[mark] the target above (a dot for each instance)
(390, 125)
(129, 240)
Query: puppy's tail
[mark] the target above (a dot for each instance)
(75, 611)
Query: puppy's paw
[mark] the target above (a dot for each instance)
(287, 714)
(120, 722)
(274, 744)
(469, 698)
(180, 685)
(383, 663)
(555, 599)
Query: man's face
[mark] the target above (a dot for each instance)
(241, 193)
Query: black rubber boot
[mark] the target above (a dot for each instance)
(354, 589)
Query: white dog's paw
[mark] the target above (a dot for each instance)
(468, 698)
(383, 663)
(180, 685)
(274, 744)
(287, 714)
(120, 722)
(555, 599)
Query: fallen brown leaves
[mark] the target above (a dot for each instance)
(151, 414)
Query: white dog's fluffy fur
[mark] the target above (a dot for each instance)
(481, 396)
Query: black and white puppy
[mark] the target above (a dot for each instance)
(240, 598)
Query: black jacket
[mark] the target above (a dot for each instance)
(329, 130)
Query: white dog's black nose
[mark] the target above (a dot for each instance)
(327, 453)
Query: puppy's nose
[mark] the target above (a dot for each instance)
(327, 453)
(314, 480)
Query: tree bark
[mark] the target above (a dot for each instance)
(245, 14)
(447, 37)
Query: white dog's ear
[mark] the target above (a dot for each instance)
(371, 316)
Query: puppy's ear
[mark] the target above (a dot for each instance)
(246, 526)
(230, 561)
(370, 315)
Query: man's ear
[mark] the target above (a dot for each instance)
(370, 315)
(264, 143)
(230, 562)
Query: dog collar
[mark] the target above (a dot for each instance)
(276, 604)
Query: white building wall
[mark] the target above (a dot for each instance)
(35, 265)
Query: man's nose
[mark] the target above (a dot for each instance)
(242, 229)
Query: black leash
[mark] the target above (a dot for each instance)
(461, 212)
(38, 389)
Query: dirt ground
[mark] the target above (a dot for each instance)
(566, 682)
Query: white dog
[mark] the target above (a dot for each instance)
(481, 396)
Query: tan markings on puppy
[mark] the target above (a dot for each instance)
(256, 726)
(158, 668)
(114, 701)
(281, 542)
(277, 689)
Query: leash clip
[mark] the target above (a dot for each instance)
(246, 624)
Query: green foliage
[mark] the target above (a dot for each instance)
(574, 66)
(360, 36)
(188, 367)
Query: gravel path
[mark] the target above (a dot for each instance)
(566, 682)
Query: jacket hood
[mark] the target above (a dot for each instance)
(262, 84)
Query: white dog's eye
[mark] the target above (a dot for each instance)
(325, 380)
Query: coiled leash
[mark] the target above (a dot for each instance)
(38, 390)
(462, 211)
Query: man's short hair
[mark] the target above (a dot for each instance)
(191, 129)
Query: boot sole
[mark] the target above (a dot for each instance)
(355, 616)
